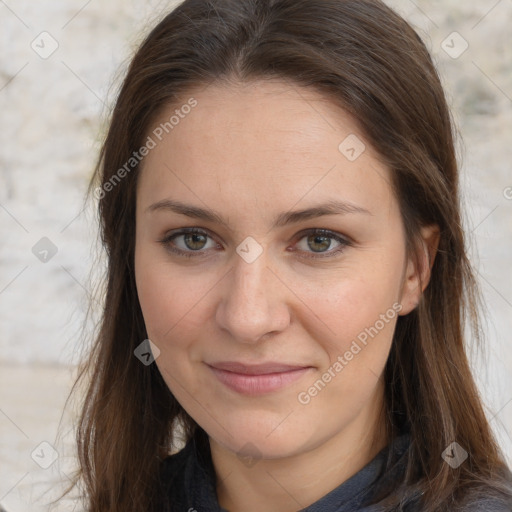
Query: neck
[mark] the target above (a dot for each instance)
(295, 482)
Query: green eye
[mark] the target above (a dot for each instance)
(320, 241)
(194, 241)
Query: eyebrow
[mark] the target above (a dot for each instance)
(283, 219)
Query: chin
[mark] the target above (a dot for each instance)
(263, 436)
(259, 447)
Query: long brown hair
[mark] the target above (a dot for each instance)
(367, 59)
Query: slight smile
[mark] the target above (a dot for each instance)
(257, 379)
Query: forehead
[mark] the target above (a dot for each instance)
(260, 144)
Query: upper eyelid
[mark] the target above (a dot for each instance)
(188, 230)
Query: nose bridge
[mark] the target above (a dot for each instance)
(249, 307)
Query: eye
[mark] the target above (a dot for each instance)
(320, 241)
(192, 242)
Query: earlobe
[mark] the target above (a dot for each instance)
(419, 268)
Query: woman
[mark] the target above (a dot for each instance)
(287, 279)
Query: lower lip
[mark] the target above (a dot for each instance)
(258, 384)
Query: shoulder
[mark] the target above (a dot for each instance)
(193, 456)
(174, 465)
(188, 479)
(487, 500)
(473, 503)
(173, 471)
(487, 505)
(177, 459)
(478, 498)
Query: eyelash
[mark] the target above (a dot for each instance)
(166, 242)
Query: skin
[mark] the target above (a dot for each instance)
(250, 152)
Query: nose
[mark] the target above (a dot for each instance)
(253, 301)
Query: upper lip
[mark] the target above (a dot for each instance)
(256, 369)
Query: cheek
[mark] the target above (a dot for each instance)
(355, 298)
(361, 326)
(174, 304)
(336, 306)
(359, 311)
(174, 311)
(361, 317)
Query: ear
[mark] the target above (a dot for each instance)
(419, 267)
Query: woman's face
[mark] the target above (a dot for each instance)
(273, 338)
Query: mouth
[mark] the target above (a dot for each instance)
(257, 379)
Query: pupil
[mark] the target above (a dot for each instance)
(195, 238)
(318, 239)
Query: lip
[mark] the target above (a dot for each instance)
(257, 379)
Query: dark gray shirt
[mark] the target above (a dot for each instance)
(189, 482)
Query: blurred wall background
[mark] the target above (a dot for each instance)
(60, 64)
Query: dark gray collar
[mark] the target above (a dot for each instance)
(190, 482)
